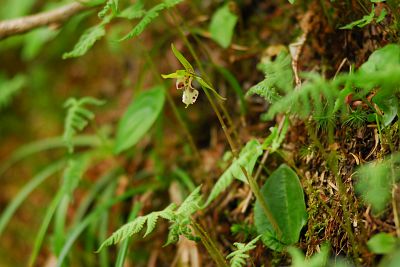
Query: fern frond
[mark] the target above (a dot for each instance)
(239, 256)
(167, 213)
(247, 158)
(86, 41)
(136, 225)
(191, 204)
(125, 231)
(134, 11)
(278, 78)
(77, 117)
(150, 15)
(9, 88)
(110, 5)
(316, 95)
(179, 219)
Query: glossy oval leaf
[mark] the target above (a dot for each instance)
(222, 26)
(138, 118)
(285, 199)
(382, 243)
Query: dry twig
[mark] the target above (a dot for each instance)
(24, 24)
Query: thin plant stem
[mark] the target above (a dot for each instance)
(394, 202)
(209, 245)
(256, 191)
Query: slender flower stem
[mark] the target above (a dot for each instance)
(210, 99)
(173, 106)
(209, 245)
(204, 74)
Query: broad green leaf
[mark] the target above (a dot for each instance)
(247, 158)
(382, 59)
(139, 117)
(317, 260)
(185, 63)
(374, 184)
(382, 243)
(222, 26)
(285, 199)
(391, 260)
(87, 40)
(389, 106)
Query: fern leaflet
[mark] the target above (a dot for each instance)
(278, 77)
(178, 217)
(239, 256)
(150, 15)
(110, 5)
(77, 117)
(86, 41)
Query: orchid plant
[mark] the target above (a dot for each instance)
(184, 79)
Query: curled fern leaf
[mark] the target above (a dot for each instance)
(239, 256)
(77, 117)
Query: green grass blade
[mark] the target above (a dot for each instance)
(103, 224)
(93, 193)
(26, 190)
(230, 78)
(74, 234)
(59, 224)
(123, 248)
(45, 224)
(46, 144)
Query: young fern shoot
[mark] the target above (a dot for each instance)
(77, 117)
(239, 256)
